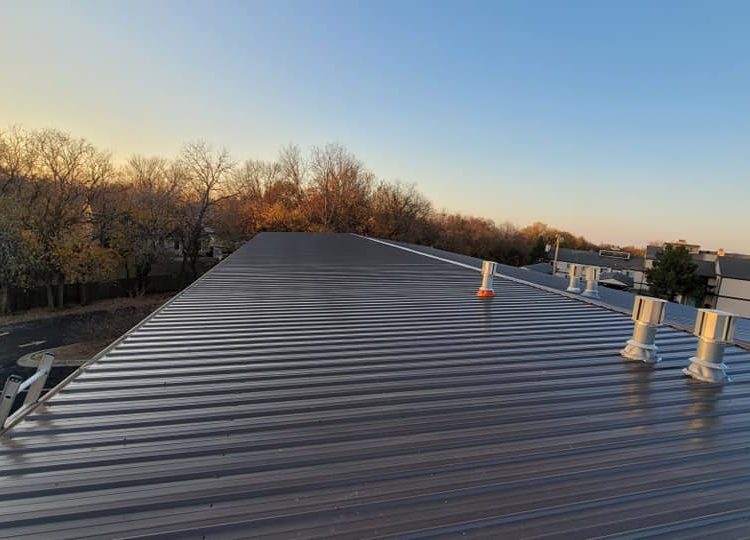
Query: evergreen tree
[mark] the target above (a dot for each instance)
(673, 274)
(539, 251)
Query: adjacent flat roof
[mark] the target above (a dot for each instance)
(593, 258)
(322, 385)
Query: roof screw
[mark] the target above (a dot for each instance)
(715, 329)
(592, 287)
(648, 314)
(574, 273)
(488, 273)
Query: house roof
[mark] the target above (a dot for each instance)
(653, 251)
(543, 267)
(706, 262)
(593, 258)
(332, 386)
(616, 278)
(734, 267)
(705, 268)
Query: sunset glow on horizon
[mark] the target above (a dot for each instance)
(624, 123)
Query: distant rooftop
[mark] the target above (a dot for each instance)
(731, 265)
(599, 258)
(333, 386)
(734, 267)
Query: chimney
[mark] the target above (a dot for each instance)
(488, 272)
(648, 314)
(715, 329)
(574, 273)
(592, 286)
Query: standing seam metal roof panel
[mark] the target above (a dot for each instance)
(321, 385)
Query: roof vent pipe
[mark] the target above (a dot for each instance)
(648, 314)
(715, 329)
(574, 273)
(592, 287)
(488, 273)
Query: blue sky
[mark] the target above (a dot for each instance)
(622, 121)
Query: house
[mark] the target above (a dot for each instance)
(706, 270)
(174, 245)
(725, 277)
(332, 385)
(732, 293)
(618, 269)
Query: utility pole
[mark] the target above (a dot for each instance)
(557, 251)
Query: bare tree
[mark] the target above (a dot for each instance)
(398, 211)
(293, 166)
(17, 159)
(205, 172)
(339, 190)
(66, 171)
(148, 217)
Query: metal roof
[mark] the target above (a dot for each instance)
(319, 385)
(593, 258)
(677, 314)
(616, 278)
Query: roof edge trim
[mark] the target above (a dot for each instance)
(62, 384)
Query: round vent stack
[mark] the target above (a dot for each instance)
(648, 314)
(574, 274)
(488, 273)
(592, 286)
(715, 329)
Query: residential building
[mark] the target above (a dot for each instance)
(733, 290)
(174, 245)
(725, 277)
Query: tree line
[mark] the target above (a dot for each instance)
(70, 214)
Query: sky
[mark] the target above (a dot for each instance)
(626, 122)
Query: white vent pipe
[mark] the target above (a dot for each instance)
(715, 329)
(592, 286)
(648, 314)
(488, 273)
(574, 274)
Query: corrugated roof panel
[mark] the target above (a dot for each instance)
(330, 386)
(677, 314)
